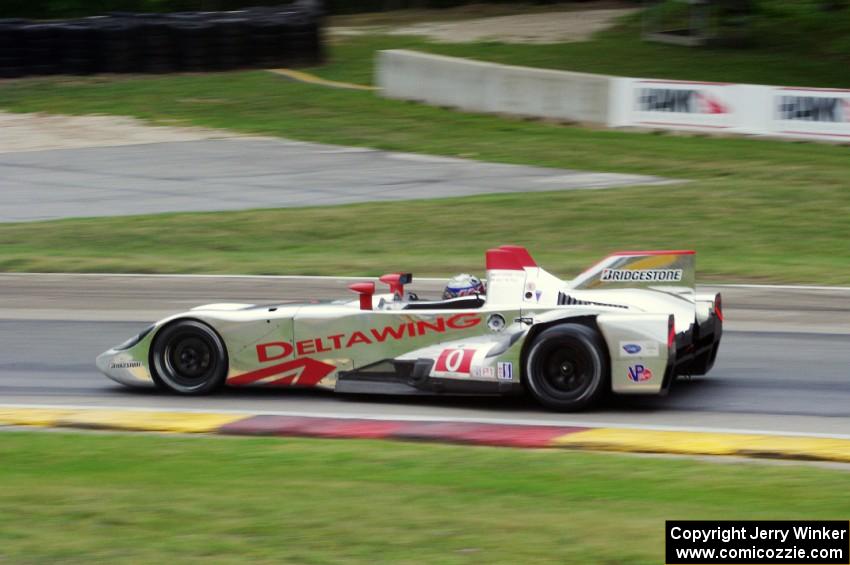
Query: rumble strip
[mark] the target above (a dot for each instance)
(473, 433)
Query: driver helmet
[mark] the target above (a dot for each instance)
(463, 285)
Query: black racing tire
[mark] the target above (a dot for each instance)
(188, 357)
(566, 368)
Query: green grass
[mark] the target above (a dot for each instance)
(79, 498)
(755, 210)
(408, 16)
(753, 237)
(620, 52)
(793, 49)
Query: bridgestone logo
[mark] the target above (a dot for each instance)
(646, 275)
(126, 365)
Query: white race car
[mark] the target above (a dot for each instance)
(629, 324)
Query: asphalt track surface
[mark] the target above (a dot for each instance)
(783, 365)
(201, 175)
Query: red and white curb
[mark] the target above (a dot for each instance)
(607, 438)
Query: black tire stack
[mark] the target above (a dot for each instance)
(14, 58)
(230, 40)
(41, 42)
(193, 36)
(267, 37)
(269, 46)
(157, 53)
(120, 41)
(79, 47)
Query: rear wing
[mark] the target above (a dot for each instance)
(514, 278)
(669, 271)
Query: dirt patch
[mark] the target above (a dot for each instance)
(551, 27)
(35, 132)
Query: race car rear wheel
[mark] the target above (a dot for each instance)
(566, 368)
(188, 357)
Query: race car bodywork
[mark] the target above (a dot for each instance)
(630, 324)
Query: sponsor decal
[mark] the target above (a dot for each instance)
(639, 349)
(505, 371)
(454, 361)
(680, 100)
(305, 371)
(276, 350)
(813, 109)
(642, 275)
(126, 365)
(639, 373)
(484, 372)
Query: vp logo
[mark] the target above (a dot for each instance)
(639, 373)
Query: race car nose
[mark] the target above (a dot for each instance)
(103, 360)
(123, 367)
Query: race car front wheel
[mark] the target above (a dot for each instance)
(566, 368)
(188, 357)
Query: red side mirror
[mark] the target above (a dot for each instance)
(365, 290)
(396, 282)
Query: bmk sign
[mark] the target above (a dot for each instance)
(812, 112)
(814, 109)
(682, 104)
(680, 101)
(792, 112)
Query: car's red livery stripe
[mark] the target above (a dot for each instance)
(307, 370)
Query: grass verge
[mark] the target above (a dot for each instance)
(133, 499)
(793, 43)
(788, 55)
(754, 238)
(408, 16)
(756, 210)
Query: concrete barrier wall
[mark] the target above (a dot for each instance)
(489, 87)
(797, 113)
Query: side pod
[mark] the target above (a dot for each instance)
(642, 362)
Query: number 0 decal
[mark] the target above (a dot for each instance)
(455, 361)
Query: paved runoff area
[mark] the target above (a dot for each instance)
(61, 167)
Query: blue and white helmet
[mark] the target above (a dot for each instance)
(463, 285)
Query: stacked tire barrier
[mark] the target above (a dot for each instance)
(262, 37)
